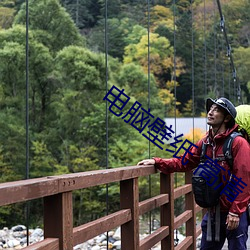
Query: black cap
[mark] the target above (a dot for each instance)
(223, 103)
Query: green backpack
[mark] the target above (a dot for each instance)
(243, 119)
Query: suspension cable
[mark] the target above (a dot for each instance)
(205, 51)
(175, 92)
(229, 53)
(215, 53)
(222, 68)
(174, 75)
(149, 148)
(192, 28)
(27, 207)
(107, 120)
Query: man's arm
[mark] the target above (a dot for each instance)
(191, 161)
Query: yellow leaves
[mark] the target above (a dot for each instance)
(188, 109)
(171, 85)
(203, 114)
(161, 16)
(179, 66)
(195, 134)
(159, 53)
(166, 96)
(160, 13)
(169, 100)
(6, 17)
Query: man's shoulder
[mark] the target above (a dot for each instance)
(239, 142)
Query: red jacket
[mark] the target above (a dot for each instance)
(241, 166)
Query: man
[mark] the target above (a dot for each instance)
(221, 115)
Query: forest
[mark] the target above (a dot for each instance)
(168, 56)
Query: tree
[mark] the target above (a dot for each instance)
(7, 12)
(85, 14)
(118, 31)
(161, 57)
(136, 82)
(6, 17)
(40, 60)
(161, 62)
(161, 16)
(242, 64)
(53, 25)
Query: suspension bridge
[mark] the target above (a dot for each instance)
(56, 192)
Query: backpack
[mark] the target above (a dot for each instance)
(207, 191)
(243, 120)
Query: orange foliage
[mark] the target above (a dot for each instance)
(195, 134)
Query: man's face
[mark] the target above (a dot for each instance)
(215, 116)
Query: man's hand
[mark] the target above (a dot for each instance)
(232, 221)
(146, 162)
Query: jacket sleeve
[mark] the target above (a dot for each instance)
(186, 162)
(241, 169)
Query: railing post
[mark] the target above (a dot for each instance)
(129, 198)
(167, 210)
(58, 219)
(190, 205)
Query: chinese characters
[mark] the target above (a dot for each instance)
(156, 131)
(211, 170)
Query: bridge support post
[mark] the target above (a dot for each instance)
(167, 210)
(58, 219)
(129, 198)
(190, 205)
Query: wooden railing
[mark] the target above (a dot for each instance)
(56, 192)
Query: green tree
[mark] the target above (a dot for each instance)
(84, 13)
(53, 25)
(161, 57)
(136, 83)
(6, 17)
(242, 64)
(40, 60)
(118, 31)
(7, 12)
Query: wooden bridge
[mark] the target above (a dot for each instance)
(56, 192)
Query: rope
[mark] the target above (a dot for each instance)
(27, 207)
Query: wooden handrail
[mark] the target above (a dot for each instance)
(58, 208)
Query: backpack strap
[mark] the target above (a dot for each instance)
(227, 148)
(203, 152)
(227, 151)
